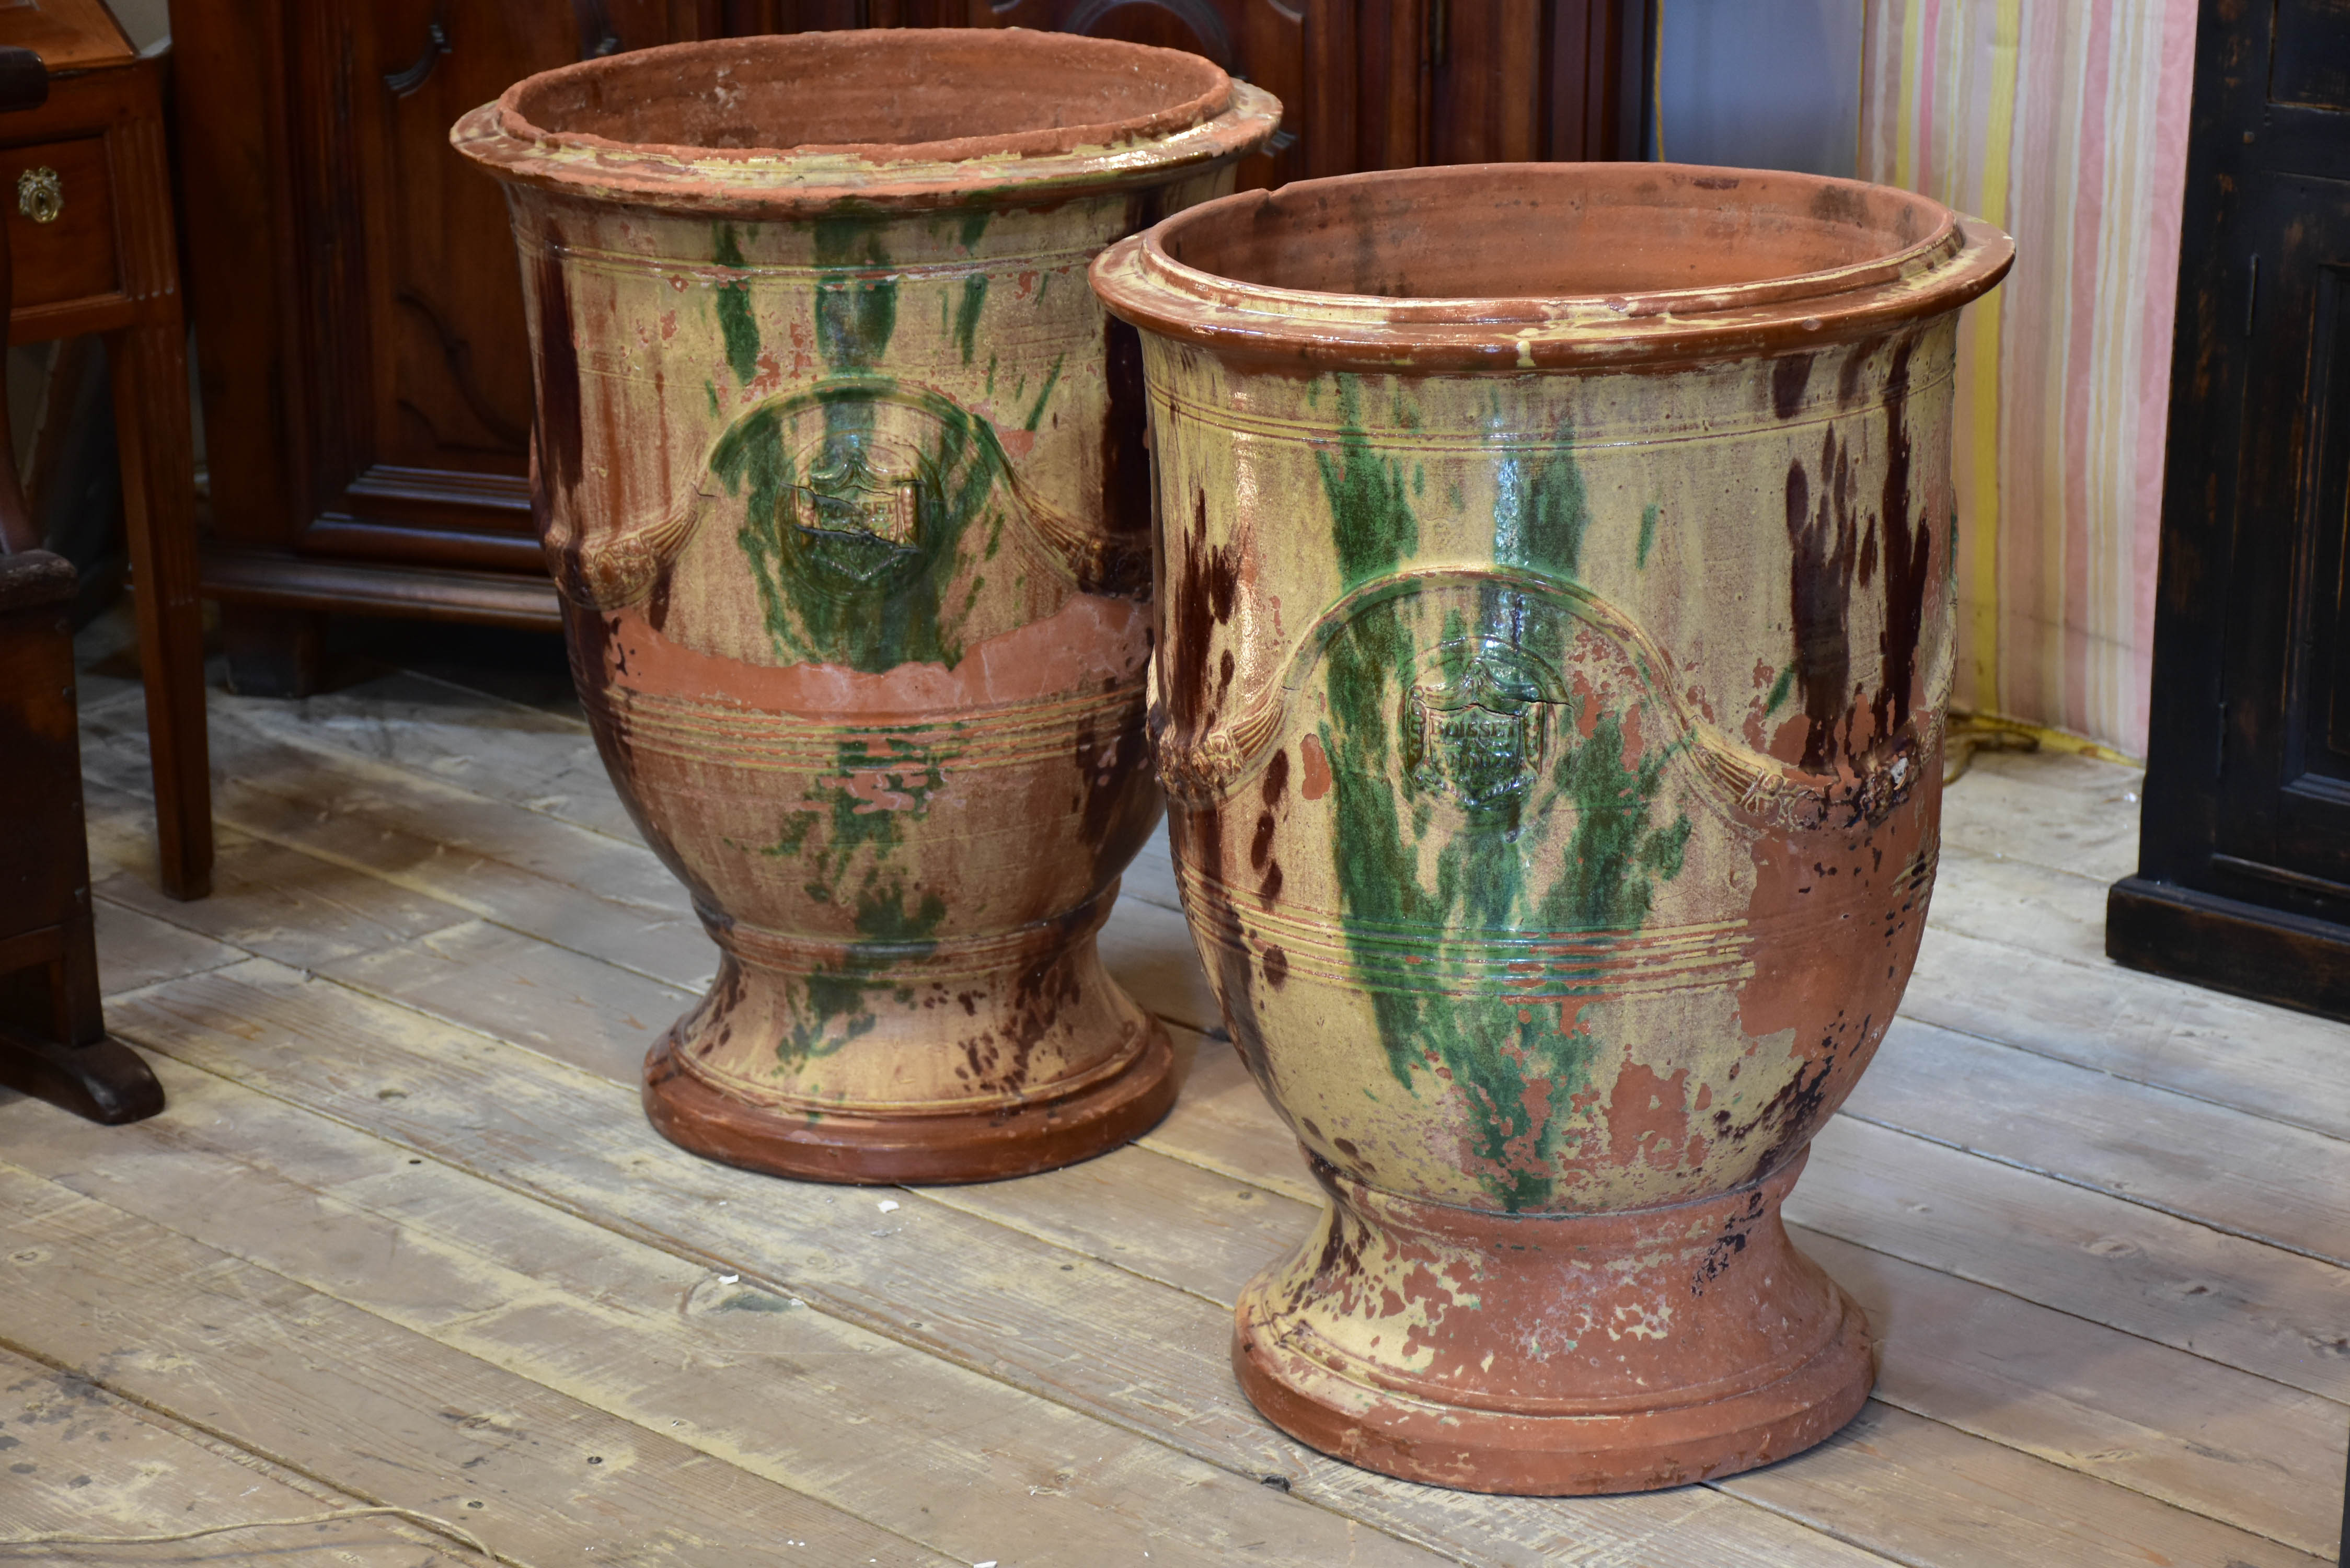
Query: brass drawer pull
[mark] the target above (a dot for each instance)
(40, 195)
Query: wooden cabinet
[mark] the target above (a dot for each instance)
(359, 322)
(2244, 863)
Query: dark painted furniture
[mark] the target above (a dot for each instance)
(52, 1039)
(86, 184)
(359, 321)
(2243, 880)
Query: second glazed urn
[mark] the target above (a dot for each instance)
(1555, 637)
(839, 471)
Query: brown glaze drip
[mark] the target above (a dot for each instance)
(560, 424)
(1116, 812)
(1126, 498)
(1789, 377)
(1201, 599)
(1819, 595)
(1276, 779)
(1908, 550)
(1198, 834)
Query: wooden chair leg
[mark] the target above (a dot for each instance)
(52, 1039)
(150, 403)
(103, 1081)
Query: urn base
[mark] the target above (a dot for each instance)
(1048, 1062)
(1550, 1354)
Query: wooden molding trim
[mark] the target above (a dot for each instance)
(281, 581)
(2228, 945)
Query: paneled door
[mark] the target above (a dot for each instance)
(2244, 875)
(359, 325)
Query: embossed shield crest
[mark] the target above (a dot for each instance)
(1476, 723)
(858, 512)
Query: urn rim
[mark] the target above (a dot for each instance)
(1386, 271)
(1049, 114)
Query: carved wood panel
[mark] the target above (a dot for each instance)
(359, 318)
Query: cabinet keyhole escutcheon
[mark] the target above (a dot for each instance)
(41, 194)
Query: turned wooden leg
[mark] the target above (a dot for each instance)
(52, 1039)
(151, 411)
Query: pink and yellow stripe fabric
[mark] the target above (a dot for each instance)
(2064, 121)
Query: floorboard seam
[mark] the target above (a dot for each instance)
(1881, 1398)
(2029, 1049)
(2083, 1184)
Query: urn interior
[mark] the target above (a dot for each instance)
(889, 94)
(1505, 235)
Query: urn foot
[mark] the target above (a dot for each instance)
(947, 1062)
(1553, 1355)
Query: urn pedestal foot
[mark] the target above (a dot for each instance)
(1553, 1355)
(965, 1061)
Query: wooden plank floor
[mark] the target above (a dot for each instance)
(403, 1237)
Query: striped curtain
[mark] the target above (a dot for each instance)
(2065, 122)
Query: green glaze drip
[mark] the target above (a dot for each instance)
(711, 388)
(1045, 393)
(735, 322)
(849, 863)
(1480, 883)
(1539, 515)
(751, 454)
(1617, 857)
(1780, 691)
(794, 833)
(855, 315)
(1371, 523)
(966, 322)
(1647, 535)
(813, 610)
(1372, 529)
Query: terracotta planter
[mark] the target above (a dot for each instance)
(1555, 634)
(838, 472)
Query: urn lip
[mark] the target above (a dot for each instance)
(1510, 268)
(918, 117)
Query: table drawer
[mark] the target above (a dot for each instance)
(73, 255)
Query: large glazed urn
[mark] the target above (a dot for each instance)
(1554, 633)
(840, 473)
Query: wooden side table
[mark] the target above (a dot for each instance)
(84, 182)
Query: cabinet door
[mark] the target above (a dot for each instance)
(2248, 788)
(416, 319)
(2285, 761)
(358, 319)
